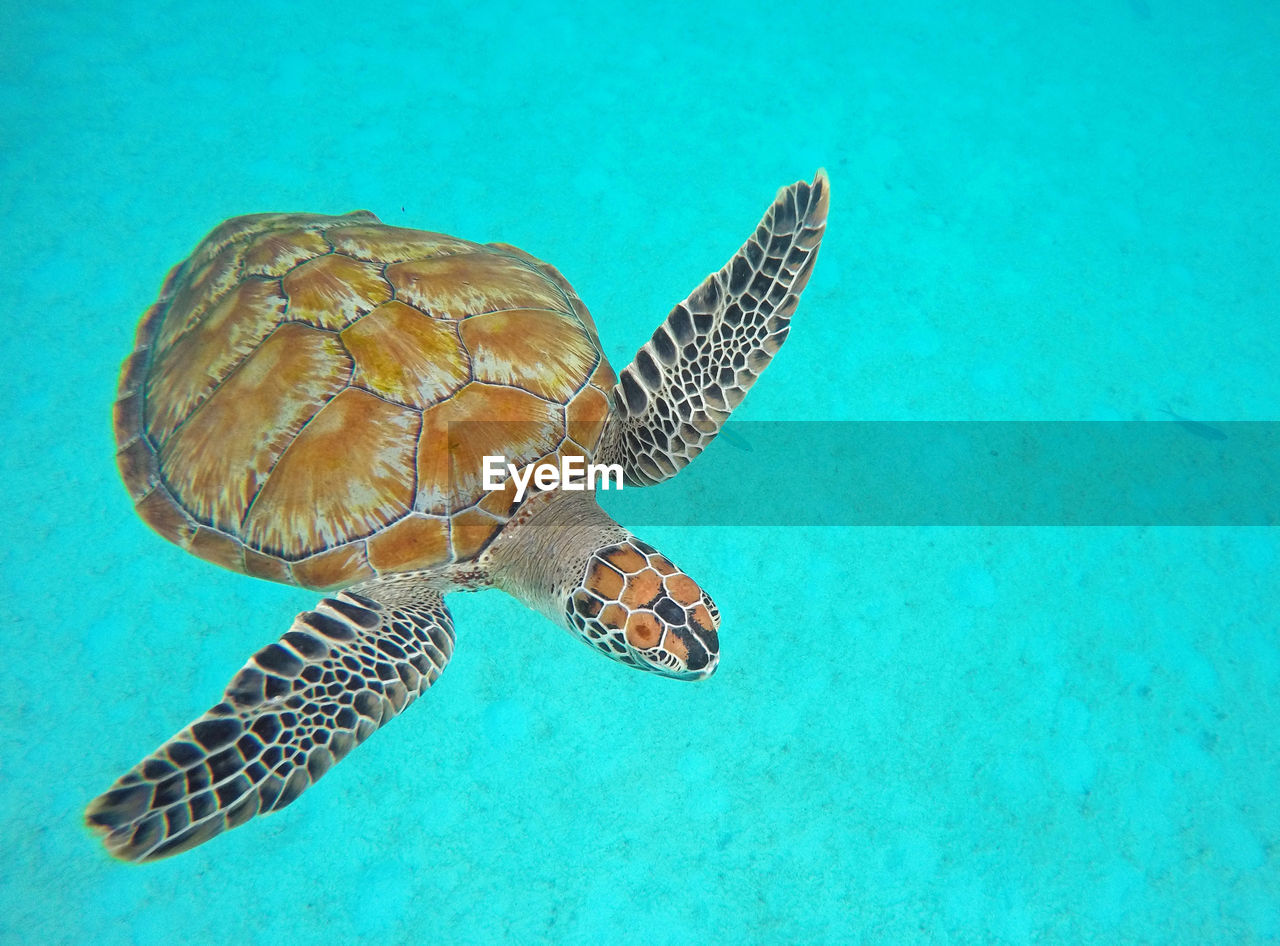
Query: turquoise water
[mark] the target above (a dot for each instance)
(966, 735)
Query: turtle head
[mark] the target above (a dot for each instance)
(562, 555)
(635, 606)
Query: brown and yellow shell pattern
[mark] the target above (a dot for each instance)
(310, 398)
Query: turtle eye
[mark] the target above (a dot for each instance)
(639, 608)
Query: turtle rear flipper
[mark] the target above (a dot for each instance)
(295, 709)
(683, 383)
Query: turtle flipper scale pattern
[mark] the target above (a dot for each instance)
(297, 707)
(696, 368)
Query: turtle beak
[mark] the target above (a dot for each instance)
(694, 650)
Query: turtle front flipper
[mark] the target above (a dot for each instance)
(297, 707)
(674, 397)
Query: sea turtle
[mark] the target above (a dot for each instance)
(310, 401)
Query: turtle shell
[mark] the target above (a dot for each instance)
(311, 396)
